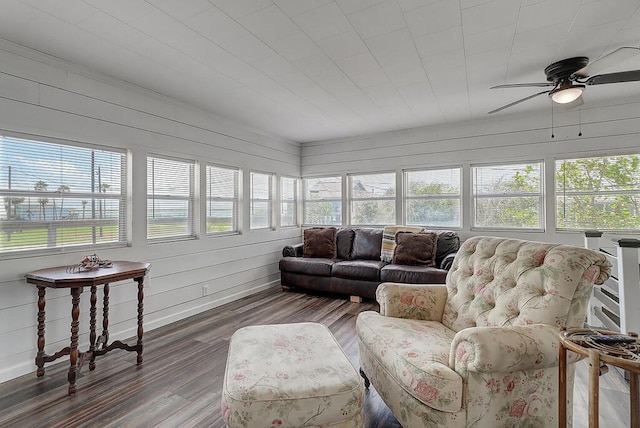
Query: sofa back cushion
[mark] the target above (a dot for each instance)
(320, 242)
(366, 244)
(344, 243)
(448, 242)
(415, 249)
(497, 282)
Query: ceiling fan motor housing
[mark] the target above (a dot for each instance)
(562, 70)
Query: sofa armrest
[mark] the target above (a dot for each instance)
(506, 349)
(447, 261)
(413, 301)
(293, 250)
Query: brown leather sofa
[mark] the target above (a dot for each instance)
(357, 270)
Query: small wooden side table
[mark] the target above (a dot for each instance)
(626, 357)
(63, 277)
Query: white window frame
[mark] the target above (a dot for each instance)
(560, 192)
(540, 195)
(190, 198)
(293, 202)
(11, 226)
(212, 198)
(407, 197)
(268, 200)
(351, 198)
(306, 201)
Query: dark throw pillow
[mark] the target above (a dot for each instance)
(320, 242)
(367, 244)
(415, 249)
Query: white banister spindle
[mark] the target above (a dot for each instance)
(629, 284)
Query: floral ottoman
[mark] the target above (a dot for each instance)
(290, 375)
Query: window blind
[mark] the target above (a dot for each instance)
(289, 202)
(323, 200)
(260, 215)
(372, 199)
(60, 195)
(222, 200)
(601, 193)
(170, 198)
(508, 196)
(433, 197)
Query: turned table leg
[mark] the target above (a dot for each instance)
(140, 282)
(105, 316)
(40, 354)
(73, 350)
(92, 328)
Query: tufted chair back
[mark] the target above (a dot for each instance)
(497, 282)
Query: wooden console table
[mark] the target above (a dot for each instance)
(63, 277)
(626, 357)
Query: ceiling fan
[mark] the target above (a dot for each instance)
(569, 77)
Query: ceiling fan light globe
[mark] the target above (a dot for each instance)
(567, 95)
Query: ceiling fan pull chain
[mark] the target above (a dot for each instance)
(580, 122)
(552, 136)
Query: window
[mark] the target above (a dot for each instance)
(508, 196)
(222, 200)
(432, 197)
(260, 217)
(323, 201)
(598, 193)
(289, 202)
(372, 199)
(169, 198)
(57, 195)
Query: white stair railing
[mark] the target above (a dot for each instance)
(615, 305)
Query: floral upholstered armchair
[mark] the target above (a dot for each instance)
(481, 350)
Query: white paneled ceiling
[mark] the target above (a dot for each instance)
(309, 70)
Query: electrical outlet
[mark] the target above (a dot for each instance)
(205, 290)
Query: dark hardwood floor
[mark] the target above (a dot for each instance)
(180, 381)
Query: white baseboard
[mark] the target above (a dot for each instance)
(160, 322)
(18, 370)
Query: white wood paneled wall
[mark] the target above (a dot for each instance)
(43, 96)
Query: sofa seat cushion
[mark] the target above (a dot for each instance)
(416, 354)
(308, 266)
(412, 274)
(367, 270)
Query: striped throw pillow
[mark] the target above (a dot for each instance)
(389, 240)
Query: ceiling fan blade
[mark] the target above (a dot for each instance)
(622, 76)
(522, 85)
(518, 102)
(609, 60)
